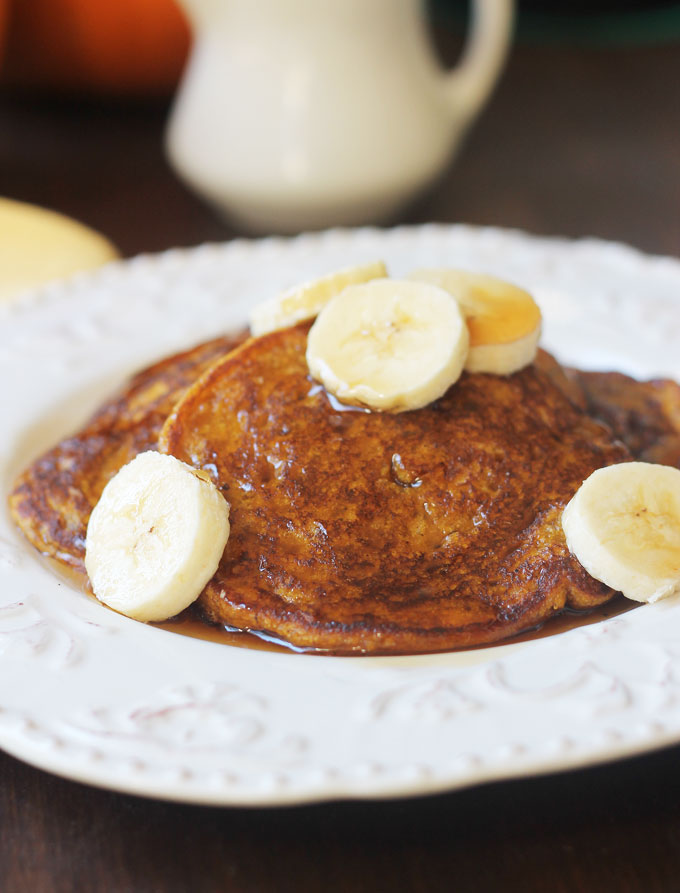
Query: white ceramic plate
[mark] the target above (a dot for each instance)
(99, 698)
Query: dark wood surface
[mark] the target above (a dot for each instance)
(575, 142)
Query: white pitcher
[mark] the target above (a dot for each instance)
(300, 114)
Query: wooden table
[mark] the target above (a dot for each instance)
(574, 142)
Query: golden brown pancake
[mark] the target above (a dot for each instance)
(376, 532)
(645, 415)
(410, 580)
(52, 500)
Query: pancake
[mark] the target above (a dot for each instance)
(374, 532)
(645, 415)
(405, 579)
(51, 501)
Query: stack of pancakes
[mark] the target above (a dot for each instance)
(356, 531)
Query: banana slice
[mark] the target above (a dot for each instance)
(306, 300)
(389, 344)
(623, 526)
(155, 537)
(504, 321)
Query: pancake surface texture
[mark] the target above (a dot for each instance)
(377, 532)
(52, 500)
(422, 531)
(645, 415)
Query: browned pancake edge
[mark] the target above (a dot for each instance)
(52, 499)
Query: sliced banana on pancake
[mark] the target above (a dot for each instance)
(304, 301)
(388, 344)
(504, 321)
(623, 526)
(155, 537)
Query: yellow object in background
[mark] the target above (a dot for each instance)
(37, 245)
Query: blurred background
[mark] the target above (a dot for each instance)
(580, 137)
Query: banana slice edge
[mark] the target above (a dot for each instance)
(623, 526)
(305, 300)
(155, 537)
(390, 345)
(504, 320)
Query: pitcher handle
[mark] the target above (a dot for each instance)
(488, 40)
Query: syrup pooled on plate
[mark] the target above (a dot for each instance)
(186, 624)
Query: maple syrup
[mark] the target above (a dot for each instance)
(188, 624)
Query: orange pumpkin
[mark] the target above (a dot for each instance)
(113, 46)
(4, 15)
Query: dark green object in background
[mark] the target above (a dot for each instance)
(584, 22)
